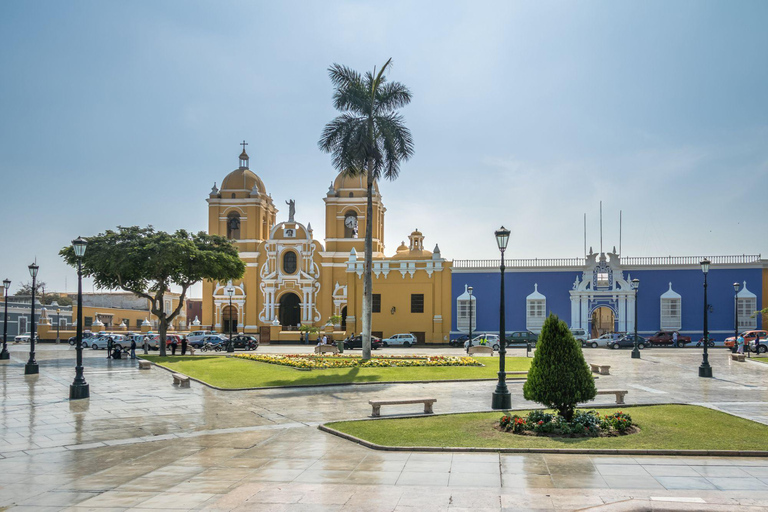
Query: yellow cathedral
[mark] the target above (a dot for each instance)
(291, 279)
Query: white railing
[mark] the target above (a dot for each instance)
(630, 261)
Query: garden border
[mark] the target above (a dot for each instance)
(576, 451)
(514, 381)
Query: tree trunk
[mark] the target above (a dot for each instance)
(367, 282)
(163, 323)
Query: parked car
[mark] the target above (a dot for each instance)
(213, 339)
(357, 342)
(485, 339)
(101, 341)
(458, 342)
(581, 335)
(86, 335)
(169, 338)
(522, 338)
(605, 340)
(195, 336)
(628, 340)
(24, 338)
(667, 337)
(244, 342)
(749, 336)
(400, 340)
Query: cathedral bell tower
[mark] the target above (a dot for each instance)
(345, 208)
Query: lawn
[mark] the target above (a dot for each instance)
(229, 373)
(678, 427)
(760, 359)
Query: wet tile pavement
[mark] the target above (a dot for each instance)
(141, 443)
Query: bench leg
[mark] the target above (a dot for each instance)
(620, 398)
(376, 410)
(604, 371)
(427, 407)
(184, 384)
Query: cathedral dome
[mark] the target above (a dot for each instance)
(243, 180)
(353, 184)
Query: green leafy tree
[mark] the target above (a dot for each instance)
(147, 262)
(559, 377)
(368, 139)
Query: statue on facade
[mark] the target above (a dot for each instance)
(291, 209)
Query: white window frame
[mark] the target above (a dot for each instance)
(746, 308)
(670, 319)
(19, 320)
(535, 314)
(462, 314)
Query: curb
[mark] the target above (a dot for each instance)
(575, 451)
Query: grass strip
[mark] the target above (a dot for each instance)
(233, 373)
(663, 427)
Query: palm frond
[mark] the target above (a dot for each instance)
(342, 75)
(392, 96)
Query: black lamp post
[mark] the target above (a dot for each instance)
(469, 340)
(230, 292)
(58, 326)
(635, 351)
(79, 388)
(31, 367)
(735, 315)
(501, 397)
(705, 370)
(4, 355)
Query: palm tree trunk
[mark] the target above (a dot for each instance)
(367, 282)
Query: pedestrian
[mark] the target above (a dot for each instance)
(740, 343)
(319, 340)
(674, 339)
(109, 346)
(173, 346)
(325, 339)
(146, 344)
(133, 347)
(184, 345)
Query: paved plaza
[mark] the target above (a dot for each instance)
(141, 443)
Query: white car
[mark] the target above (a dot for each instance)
(24, 338)
(404, 340)
(118, 341)
(486, 339)
(196, 337)
(580, 334)
(606, 340)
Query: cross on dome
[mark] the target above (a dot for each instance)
(243, 156)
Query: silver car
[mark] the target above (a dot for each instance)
(404, 340)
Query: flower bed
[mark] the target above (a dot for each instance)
(583, 424)
(305, 361)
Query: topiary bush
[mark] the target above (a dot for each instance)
(559, 377)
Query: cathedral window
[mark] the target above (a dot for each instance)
(233, 226)
(671, 310)
(376, 303)
(289, 262)
(417, 303)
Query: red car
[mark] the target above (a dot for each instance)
(667, 338)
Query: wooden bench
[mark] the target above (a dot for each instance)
(480, 349)
(602, 369)
(376, 404)
(181, 380)
(739, 357)
(144, 365)
(322, 349)
(620, 393)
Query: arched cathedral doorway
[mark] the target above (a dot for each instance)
(290, 310)
(229, 319)
(603, 321)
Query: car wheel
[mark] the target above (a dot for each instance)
(95, 347)
(496, 348)
(641, 346)
(385, 343)
(119, 347)
(615, 346)
(762, 349)
(407, 344)
(594, 344)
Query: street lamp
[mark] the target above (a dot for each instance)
(501, 397)
(4, 355)
(469, 340)
(58, 325)
(635, 351)
(79, 388)
(230, 292)
(31, 367)
(705, 370)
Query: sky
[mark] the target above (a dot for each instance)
(524, 114)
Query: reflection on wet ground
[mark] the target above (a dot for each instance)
(139, 442)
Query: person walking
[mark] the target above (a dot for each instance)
(173, 346)
(109, 347)
(674, 339)
(133, 348)
(740, 343)
(184, 345)
(146, 344)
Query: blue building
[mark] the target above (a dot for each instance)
(595, 293)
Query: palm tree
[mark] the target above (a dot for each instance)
(369, 138)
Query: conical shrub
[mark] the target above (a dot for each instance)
(559, 377)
